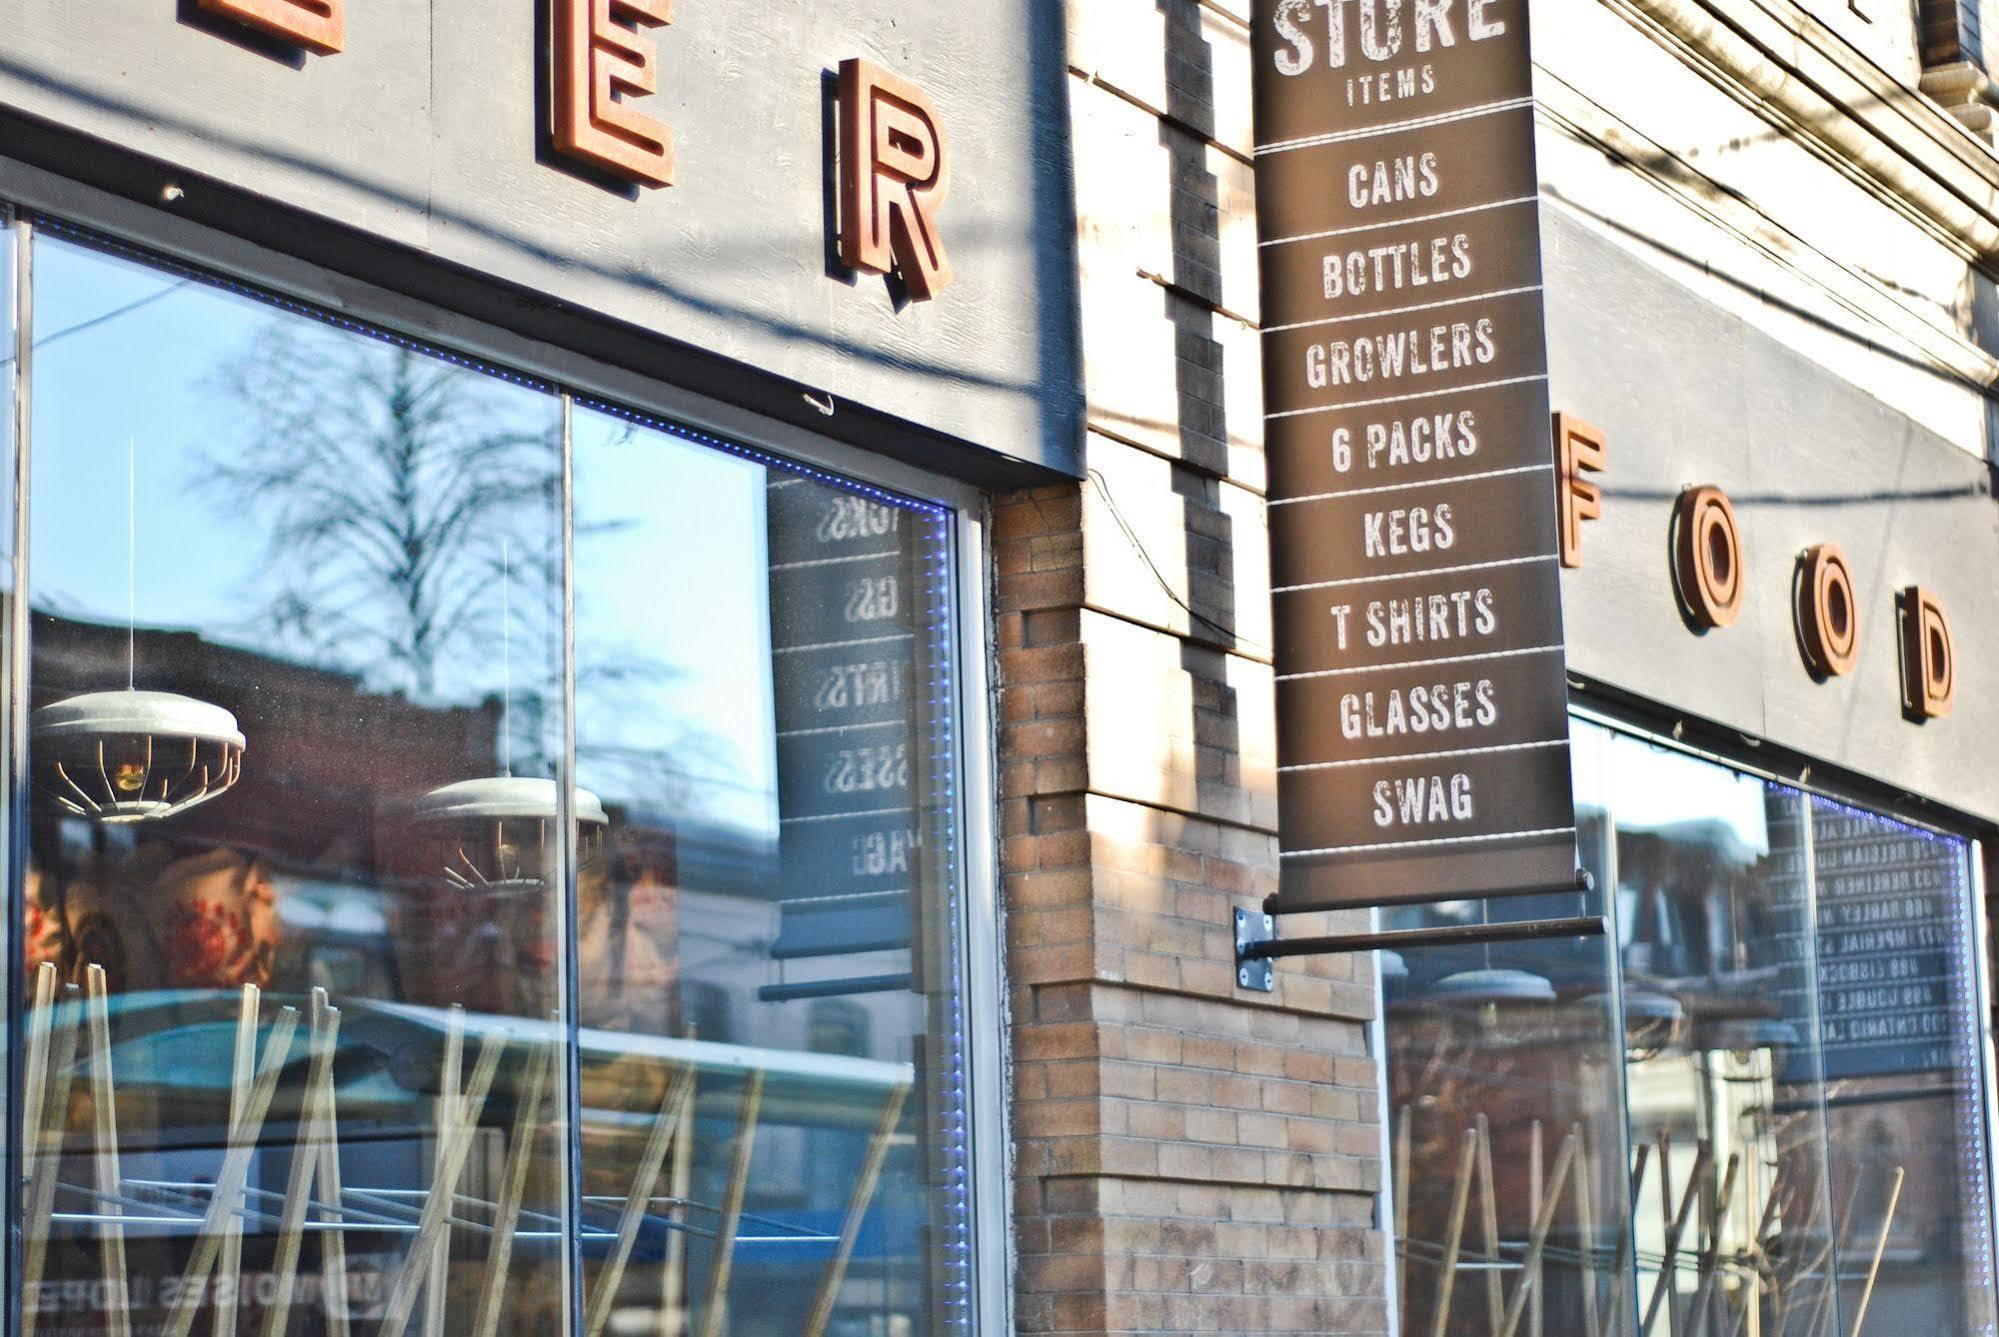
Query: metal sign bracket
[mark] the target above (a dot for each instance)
(1257, 944)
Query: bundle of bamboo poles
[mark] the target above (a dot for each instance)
(313, 1187)
(1802, 1285)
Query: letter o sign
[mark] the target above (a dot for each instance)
(1707, 557)
(1828, 613)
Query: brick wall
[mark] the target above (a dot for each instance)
(1190, 1157)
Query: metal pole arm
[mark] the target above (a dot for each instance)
(1257, 944)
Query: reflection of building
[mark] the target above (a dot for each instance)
(331, 756)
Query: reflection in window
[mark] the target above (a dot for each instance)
(1502, 1088)
(298, 922)
(763, 698)
(293, 883)
(1801, 1071)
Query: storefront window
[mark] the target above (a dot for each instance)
(1505, 1124)
(763, 705)
(1817, 1054)
(293, 934)
(1800, 1081)
(346, 1009)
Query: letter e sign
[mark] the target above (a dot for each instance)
(602, 59)
(316, 25)
(895, 170)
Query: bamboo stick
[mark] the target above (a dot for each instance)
(1495, 1299)
(1786, 1283)
(1403, 1137)
(1586, 1232)
(242, 1075)
(652, 1159)
(55, 1128)
(1880, 1247)
(1667, 1286)
(324, 1028)
(520, 1155)
(110, 1179)
(1621, 1256)
(1829, 1259)
(1454, 1236)
(714, 1311)
(1666, 1212)
(857, 1210)
(673, 1277)
(455, 1149)
(34, 1118)
(1535, 1175)
(1761, 1245)
(1564, 1162)
(1711, 1257)
(332, 1243)
(224, 1200)
(438, 1296)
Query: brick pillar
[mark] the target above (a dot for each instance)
(1190, 1157)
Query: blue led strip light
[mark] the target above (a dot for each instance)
(779, 462)
(954, 1123)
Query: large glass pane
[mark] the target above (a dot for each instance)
(1507, 1120)
(1803, 1054)
(293, 922)
(1733, 1212)
(1904, 1095)
(769, 949)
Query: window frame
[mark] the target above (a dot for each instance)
(32, 194)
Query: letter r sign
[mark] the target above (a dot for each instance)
(895, 171)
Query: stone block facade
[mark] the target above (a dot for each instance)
(1189, 1157)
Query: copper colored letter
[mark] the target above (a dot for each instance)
(1707, 557)
(895, 171)
(1929, 665)
(599, 64)
(1828, 613)
(316, 25)
(1579, 449)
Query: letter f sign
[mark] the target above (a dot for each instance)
(894, 174)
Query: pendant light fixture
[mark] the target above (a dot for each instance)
(498, 834)
(132, 756)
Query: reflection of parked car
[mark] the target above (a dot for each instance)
(759, 1160)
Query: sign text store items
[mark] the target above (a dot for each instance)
(1422, 702)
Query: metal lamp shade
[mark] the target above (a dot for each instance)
(134, 756)
(498, 834)
(1493, 986)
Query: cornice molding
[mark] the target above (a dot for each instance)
(1889, 137)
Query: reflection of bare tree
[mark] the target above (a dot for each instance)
(399, 494)
(389, 484)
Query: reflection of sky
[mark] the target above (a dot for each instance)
(670, 576)
(675, 583)
(1651, 787)
(138, 379)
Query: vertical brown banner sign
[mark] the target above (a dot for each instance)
(1422, 702)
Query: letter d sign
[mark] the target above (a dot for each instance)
(1929, 668)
